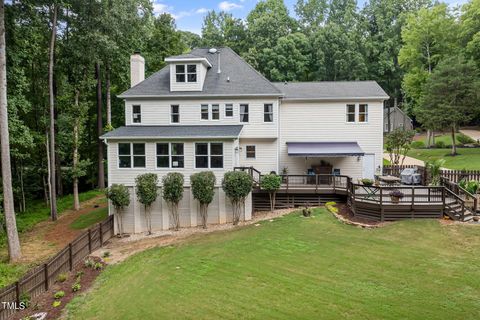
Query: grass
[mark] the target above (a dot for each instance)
(445, 138)
(298, 268)
(36, 212)
(467, 158)
(89, 219)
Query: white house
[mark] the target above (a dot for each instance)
(210, 110)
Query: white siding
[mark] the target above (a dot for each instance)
(188, 86)
(326, 121)
(266, 154)
(157, 112)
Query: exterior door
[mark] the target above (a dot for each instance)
(369, 166)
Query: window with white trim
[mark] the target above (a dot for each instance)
(229, 110)
(136, 113)
(186, 72)
(204, 111)
(363, 113)
(350, 113)
(131, 153)
(170, 155)
(209, 155)
(175, 113)
(250, 152)
(268, 112)
(244, 113)
(215, 112)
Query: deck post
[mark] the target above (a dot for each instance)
(413, 202)
(316, 183)
(382, 213)
(443, 201)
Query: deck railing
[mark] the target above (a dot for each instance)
(314, 181)
(411, 194)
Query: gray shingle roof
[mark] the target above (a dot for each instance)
(244, 79)
(198, 131)
(331, 90)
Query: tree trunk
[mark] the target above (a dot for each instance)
(454, 144)
(109, 98)
(49, 185)
(76, 200)
(101, 174)
(22, 188)
(14, 250)
(53, 180)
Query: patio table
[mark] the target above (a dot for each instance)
(389, 180)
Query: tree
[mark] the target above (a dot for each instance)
(120, 198)
(222, 29)
(14, 250)
(172, 194)
(451, 95)
(434, 168)
(147, 191)
(470, 29)
(271, 183)
(203, 189)
(237, 185)
(53, 180)
(398, 143)
(312, 14)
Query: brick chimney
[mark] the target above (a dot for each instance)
(137, 68)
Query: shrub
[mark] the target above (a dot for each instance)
(59, 294)
(417, 145)
(62, 277)
(98, 266)
(147, 191)
(307, 212)
(434, 168)
(464, 139)
(76, 287)
(440, 144)
(203, 189)
(120, 197)
(367, 182)
(396, 194)
(271, 183)
(106, 254)
(172, 194)
(89, 263)
(237, 185)
(56, 303)
(471, 186)
(25, 299)
(79, 275)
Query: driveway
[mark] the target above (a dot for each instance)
(472, 133)
(408, 160)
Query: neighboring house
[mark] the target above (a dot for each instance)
(398, 119)
(210, 110)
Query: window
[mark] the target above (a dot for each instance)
(124, 155)
(350, 113)
(216, 155)
(244, 113)
(170, 155)
(363, 113)
(180, 72)
(127, 151)
(268, 112)
(137, 113)
(229, 110)
(163, 158)
(215, 112)
(186, 73)
(204, 111)
(177, 160)
(139, 155)
(209, 155)
(201, 155)
(251, 152)
(175, 113)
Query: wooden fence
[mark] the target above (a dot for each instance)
(39, 279)
(452, 175)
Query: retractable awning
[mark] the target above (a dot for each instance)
(324, 149)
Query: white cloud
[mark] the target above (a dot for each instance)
(227, 6)
(159, 8)
(201, 10)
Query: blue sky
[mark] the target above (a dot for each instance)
(189, 14)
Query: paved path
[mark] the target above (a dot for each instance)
(408, 160)
(472, 133)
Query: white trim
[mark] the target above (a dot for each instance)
(186, 60)
(206, 96)
(169, 155)
(131, 155)
(225, 110)
(246, 151)
(208, 155)
(171, 114)
(176, 137)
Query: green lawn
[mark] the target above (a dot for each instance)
(36, 212)
(467, 158)
(445, 138)
(89, 219)
(298, 268)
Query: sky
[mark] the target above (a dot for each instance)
(189, 14)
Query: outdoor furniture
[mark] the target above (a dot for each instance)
(389, 180)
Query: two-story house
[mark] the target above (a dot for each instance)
(210, 110)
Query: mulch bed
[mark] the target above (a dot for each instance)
(345, 212)
(44, 302)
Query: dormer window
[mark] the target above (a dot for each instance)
(186, 72)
